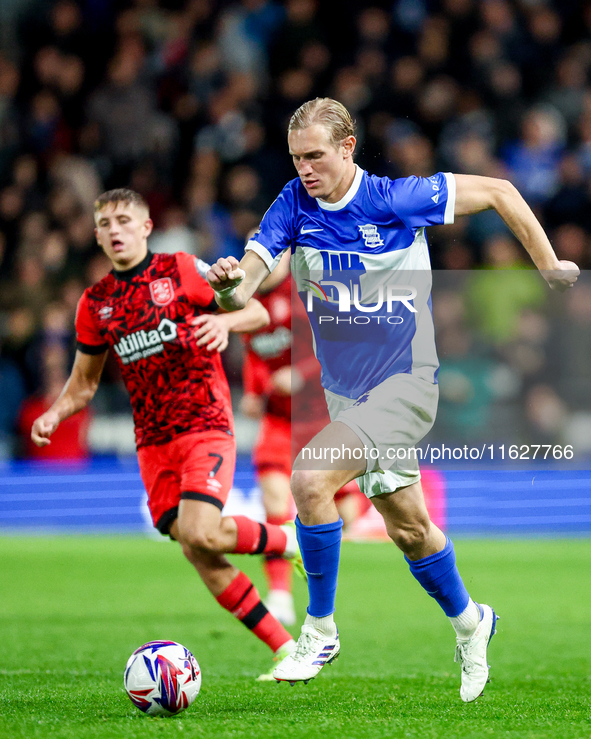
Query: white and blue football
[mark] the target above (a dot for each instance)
(162, 678)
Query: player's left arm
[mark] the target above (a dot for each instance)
(213, 329)
(475, 194)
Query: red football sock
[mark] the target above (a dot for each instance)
(258, 538)
(277, 570)
(278, 520)
(243, 601)
(249, 535)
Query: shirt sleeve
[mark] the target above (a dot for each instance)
(275, 233)
(424, 201)
(197, 288)
(89, 340)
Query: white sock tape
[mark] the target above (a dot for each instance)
(226, 292)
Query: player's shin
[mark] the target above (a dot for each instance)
(439, 576)
(277, 572)
(242, 599)
(277, 569)
(321, 547)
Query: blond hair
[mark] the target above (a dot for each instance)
(120, 195)
(328, 113)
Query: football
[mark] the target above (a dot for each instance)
(162, 678)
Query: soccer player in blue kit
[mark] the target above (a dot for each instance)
(380, 376)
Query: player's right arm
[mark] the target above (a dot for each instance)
(78, 391)
(234, 283)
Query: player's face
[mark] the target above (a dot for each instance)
(326, 171)
(122, 230)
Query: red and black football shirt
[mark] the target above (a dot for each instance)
(287, 340)
(269, 349)
(144, 315)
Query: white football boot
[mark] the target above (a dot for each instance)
(279, 603)
(314, 650)
(471, 654)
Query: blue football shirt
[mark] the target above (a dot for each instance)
(362, 269)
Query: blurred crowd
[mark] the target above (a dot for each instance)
(187, 102)
(514, 360)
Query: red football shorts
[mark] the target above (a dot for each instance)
(195, 466)
(279, 441)
(272, 451)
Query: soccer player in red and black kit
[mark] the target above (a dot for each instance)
(267, 389)
(158, 314)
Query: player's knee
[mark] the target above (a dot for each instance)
(200, 540)
(308, 488)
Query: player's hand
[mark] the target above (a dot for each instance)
(44, 427)
(225, 273)
(563, 277)
(212, 332)
(286, 381)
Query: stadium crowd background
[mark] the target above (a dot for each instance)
(188, 103)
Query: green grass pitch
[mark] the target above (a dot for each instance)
(72, 610)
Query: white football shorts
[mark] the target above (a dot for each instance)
(390, 420)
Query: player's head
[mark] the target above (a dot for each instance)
(321, 137)
(122, 226)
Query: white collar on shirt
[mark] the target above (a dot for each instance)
(347, 197)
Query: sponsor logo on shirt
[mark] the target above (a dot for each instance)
(271, 345)
(143, 344)
(162, 291)
(371, 236)
(105, 312)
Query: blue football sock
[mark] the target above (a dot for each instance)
(439, 576)
(321, 548)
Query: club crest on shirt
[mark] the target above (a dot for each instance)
(371, 236)
(162, 291)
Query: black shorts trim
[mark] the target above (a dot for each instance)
(203, 497)
(258, 613)
(166, 520)
(91, 349)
